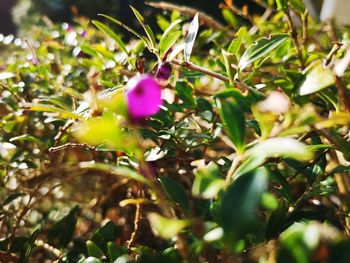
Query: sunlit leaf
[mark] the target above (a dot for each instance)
(261, 48)
(6, 75)
(111, 34)
(191, 38)
(165, 227)
(317, 78)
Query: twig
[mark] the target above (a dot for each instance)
(334, 50)
(345, 100)
(236, 11)
(205, 71)
(235, 162)
(71, 145)
(240, 84)
(294, 35)
(137, 221)
(189, 11)
(305, 21)
(62, 131)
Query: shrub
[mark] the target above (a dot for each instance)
(244, 158)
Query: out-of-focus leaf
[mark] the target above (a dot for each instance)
(105, 130)
(6, 75)
(119, 171)
(262, 47)
(93, 250)
(90, 260)
(240, 203)
(165, 227)
(12, 197)
(297, 5)
(63, 230)
(190, 38)
(28, 138)
(208, 182)
(115, 251)
(234, 122)
(108, 233)
(49, 108)
(282, 4)
(175, 191)
(281, 147)
(28, 247)
(317, 78)
(105, 29)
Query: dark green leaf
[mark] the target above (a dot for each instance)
(108, 233)
(234, 122)
(240, 203)
(63, 230)
(28, 247)
(175, 191)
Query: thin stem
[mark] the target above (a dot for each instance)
(240, 84)
(189, 11)
(345, 100)
(294, 35)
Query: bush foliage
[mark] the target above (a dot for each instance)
(247, 159)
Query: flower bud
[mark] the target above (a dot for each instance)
(164, 71)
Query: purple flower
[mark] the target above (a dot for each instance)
(143, 95)
(164, 71)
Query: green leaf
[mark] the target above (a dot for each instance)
(168, 42)
(125, 27)
(105, 29)
(28, 247)
(147, 29)
(90, 260)
(12, 197)
(191, 38)
(237, 42)
(234, 122)
(273, 148)
(27, 138)
(240, 203)
(105, 130)
(63, 230)
(175, 191)
(108, 233)
(169, 37)
(93, 250)
(282, 5)
(115, 251)
(185, 93)
(165, 227)
(317, 78)
(119, 171)
(297, 5)
(261, 48)
(48, 108)
(208, 182)
(281, 147)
